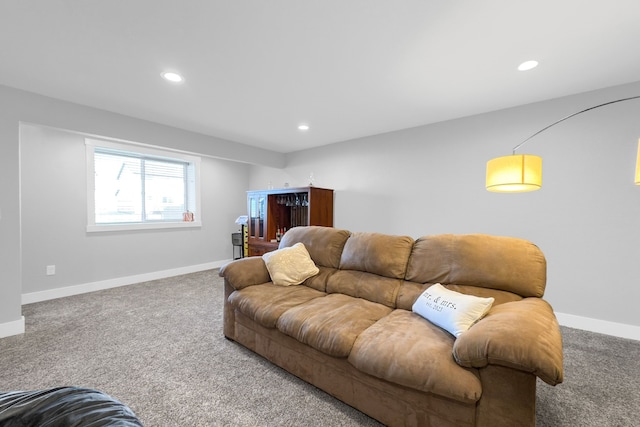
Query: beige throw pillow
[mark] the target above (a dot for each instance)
(451, 310)
(290, 266)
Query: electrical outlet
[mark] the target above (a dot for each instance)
(51, 270)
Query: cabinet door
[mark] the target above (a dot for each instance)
(320, 205)
(257, 206)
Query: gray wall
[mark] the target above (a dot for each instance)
(54, 219)
(430, 180)
(419, 181)
(28, 241)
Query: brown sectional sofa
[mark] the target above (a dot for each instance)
(350, 329)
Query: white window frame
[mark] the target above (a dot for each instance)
(144, 150)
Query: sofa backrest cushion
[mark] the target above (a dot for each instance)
(324, 244)
(381, 254)
(369, 286)
(504, 263)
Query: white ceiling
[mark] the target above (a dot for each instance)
(255, 69)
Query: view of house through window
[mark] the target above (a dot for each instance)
(132, 187)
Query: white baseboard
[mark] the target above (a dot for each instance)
(15, 327)
(116, 282)
(621, 330)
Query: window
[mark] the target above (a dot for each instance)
(132, 187)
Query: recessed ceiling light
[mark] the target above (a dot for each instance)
(527, 65)
(303, 127)
(172, 77)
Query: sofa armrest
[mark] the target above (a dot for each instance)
(522, 335)
(245, 272)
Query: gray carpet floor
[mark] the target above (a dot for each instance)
(158, 347)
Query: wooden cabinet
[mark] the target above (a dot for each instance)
(270, 210)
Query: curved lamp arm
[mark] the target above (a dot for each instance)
(519, 173)
(571, 115)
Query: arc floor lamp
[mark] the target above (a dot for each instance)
(523, 172)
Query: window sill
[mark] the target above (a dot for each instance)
(141, 226)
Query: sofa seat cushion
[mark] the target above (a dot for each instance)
(265, 303)
(403, 348)
(331, 324)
